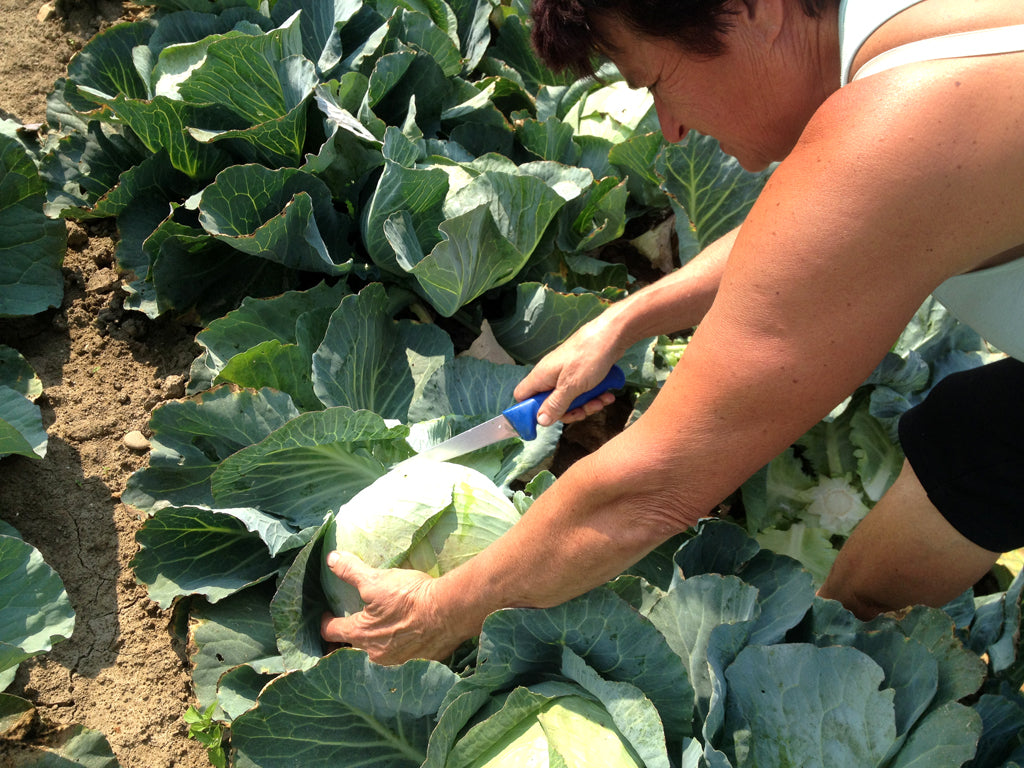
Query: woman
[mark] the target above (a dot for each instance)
(901, 174)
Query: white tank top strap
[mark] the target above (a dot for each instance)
(858, 20)
(980, 42)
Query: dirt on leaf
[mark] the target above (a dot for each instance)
(123, 672)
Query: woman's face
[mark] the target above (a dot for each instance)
(740, 98)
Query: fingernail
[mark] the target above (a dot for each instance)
(332, 558)
(544, 420)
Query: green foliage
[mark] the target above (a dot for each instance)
(709, 194)
(347, 196)
(35, 611)
(735, 663)
(208, 732)
(31, 245)
(31, 253)
(370, 714)
(76, 745)
(21, 423)
(35, 608)
(258, 150)
(561, 722)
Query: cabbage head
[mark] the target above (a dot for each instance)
(427, 515)
(837, 504)
(543, 726)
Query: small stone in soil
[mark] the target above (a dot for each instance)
(102, 281)
(136, 441)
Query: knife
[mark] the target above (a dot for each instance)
(519, 420)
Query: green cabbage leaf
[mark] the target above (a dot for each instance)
(33, 603)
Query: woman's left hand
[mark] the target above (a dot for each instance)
(401, 618)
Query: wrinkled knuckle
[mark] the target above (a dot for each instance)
(557, 396)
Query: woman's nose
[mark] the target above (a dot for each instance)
(671, 128)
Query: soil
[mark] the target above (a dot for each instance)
(123, 672)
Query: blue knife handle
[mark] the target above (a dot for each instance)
(523, 415)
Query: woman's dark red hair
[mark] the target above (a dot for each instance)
(564, 39)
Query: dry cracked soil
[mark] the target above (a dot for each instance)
(103, 369)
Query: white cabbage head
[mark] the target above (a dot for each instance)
(837, 504)
(427, 515)
(568, 732)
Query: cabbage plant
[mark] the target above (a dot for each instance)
(34, 606)
(736, 663)
(410, 176)
(32, 246)
(32, 249)
(35, 611)
(546, 724)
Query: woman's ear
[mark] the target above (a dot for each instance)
(764, 17)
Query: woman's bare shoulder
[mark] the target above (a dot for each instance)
(931, 151)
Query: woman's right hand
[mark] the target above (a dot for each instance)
(675, 302)
(577, 365)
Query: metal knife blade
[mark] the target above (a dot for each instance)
(480, 436)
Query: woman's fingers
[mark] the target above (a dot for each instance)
(332, 629)
(541, 378)
(599, 403)
(350, 568)
(572, 385)
(565, 376)
(554, 407)
(399, 619)
(578, 365)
